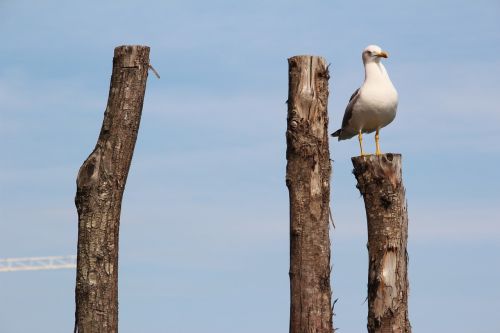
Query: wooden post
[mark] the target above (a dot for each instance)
(100, 185)
(381, 184)
(308, 180)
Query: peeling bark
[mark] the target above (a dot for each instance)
(100, 186)
(308, 181)
(380, 182)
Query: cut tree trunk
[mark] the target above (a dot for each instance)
(100, 185)
(308, 180)
(381, 184)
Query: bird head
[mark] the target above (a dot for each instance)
(373, 53)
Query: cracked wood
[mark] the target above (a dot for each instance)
(381, 184)
(100, 186)
(308, 180)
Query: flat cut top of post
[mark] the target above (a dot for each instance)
(384, 166)
(307, 56)
(131, 55)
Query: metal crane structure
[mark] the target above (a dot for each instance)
(37, 263)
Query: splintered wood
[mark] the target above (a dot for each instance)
(380, 182)
(308, 180)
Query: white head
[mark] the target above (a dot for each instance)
(373, 53)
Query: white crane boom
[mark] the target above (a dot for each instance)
(37, 263)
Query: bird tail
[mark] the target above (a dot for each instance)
(336, 133)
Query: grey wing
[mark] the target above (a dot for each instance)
(349, 108)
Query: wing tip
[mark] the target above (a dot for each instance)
(336, 133)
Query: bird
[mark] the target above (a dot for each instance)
(373, 105)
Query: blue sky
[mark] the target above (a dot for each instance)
(204, 229)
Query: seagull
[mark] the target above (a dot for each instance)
(374, 104)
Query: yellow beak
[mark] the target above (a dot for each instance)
(383, 54)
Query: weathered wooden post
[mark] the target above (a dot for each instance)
(381, 184)
(308, 180)
(100, 185)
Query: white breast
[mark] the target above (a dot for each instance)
(377, 103)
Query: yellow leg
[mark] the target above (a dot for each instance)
(360, 138)
(377, 152)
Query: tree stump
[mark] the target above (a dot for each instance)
(308, 180)
(100, 185)
(381, 184)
